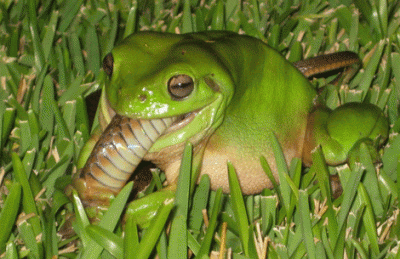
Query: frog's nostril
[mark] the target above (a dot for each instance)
(142, 98)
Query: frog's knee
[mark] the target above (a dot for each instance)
(318, 135)
(354, 124)
(341, 132)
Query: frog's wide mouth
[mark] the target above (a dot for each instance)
(181, 121)
(126, 141)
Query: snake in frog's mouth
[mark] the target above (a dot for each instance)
(119, 150)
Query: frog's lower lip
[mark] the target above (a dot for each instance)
(181, 122)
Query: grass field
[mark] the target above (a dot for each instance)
(51, 55)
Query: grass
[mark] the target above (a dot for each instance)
(50, 61)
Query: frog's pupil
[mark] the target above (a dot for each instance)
(180, 86)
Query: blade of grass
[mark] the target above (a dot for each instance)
(11, 251)
(106, 239)
(239, 210)
(29, 238)
(152, 234)
(349, 193)
(131, 238)
(108, 222)
(371, 67)
(28, 202)
(33, 25)
(8, 214)
(306, 227)
(131, 21)
(206, 243)
(187, 17)
(199, 202)
(282, 170)
(369, 220)
(178, 234)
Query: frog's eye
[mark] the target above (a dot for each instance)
(180, 86)
(108, 64)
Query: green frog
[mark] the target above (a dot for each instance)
(224, 93)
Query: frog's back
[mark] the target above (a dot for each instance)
(270, 96)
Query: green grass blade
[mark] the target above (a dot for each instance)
(8, 214)
(48, 38)
(349, 193)
(152, 234)
(28, 201)
(28, 236)
(33, 24)
(199, 202)
(106, 239)
(131, 21)
(131, 238)
(187, 17)
(306, 226)
(206, 244)
(371, 67)
(238, 207)
(178, 234)
(110, 219)
(369, 220)
(239, 210)
(8, 120)
(11, 251)
(282, 170)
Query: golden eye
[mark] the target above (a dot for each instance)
(180, 86)
(108, 64)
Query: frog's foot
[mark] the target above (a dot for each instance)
(341, 132)
(143, 210)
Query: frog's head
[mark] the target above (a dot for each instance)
(153, 75)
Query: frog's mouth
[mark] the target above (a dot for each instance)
(181, 121)
(121, 147)
(107, 113)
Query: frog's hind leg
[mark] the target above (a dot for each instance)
(341, 132)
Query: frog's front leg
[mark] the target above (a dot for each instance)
(143, 210)
(341, 131)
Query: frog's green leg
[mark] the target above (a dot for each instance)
(145, 208)
(340, 132)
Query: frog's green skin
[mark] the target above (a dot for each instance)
(243, 90)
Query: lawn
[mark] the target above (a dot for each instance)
(51, 59)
